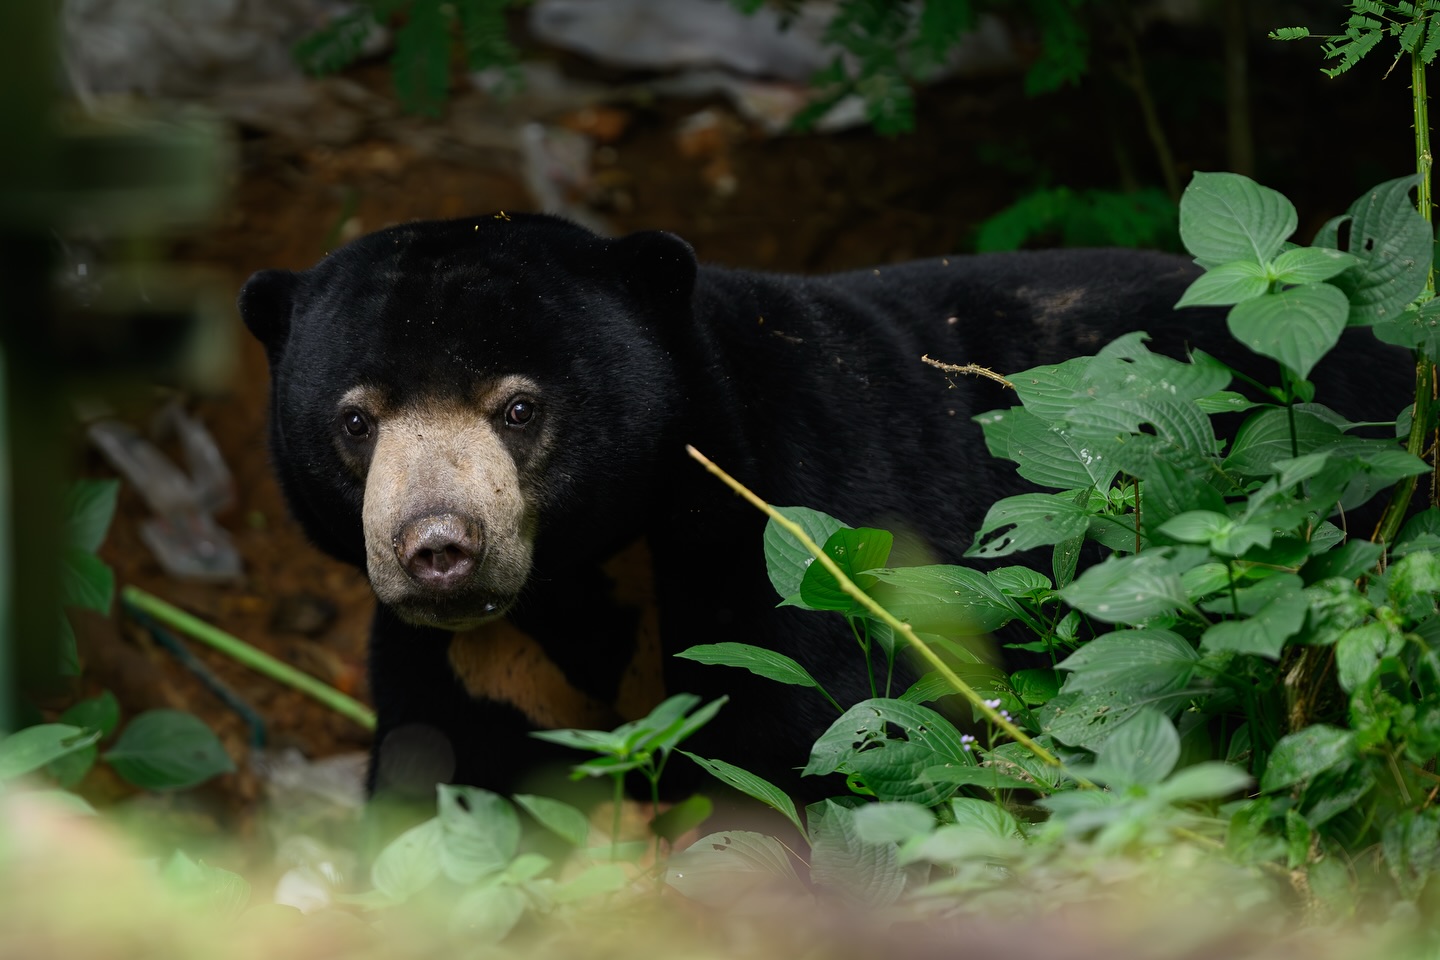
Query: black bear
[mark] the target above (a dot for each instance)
(483, 413)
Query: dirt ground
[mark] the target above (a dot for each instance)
(804, 203)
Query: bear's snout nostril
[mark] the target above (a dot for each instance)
(440, 551)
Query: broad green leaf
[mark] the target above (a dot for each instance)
(892, 822)
(1273, 610)
(682, 817)
(988, 777)
(758, 660)
(561, 819)
(723, 868)
(1359, 651)
(682, 728)
(1296, 326)
(1226, 284)
(1347, 562)
(1226, 217)
(1195, 526)
(752, 786)
(1413, 584)
(858, 742)
(212, 890)
(1142, 752)
(480, 832)
(488, 914)
(1394, 245)
(785, 559)
(1204, 781)
(864, 874)
(1310, 264)
(594, 881)
(168, 750)
(409, 863)
(1264, 440)
(853, 551)
(1134, 589)
(1035, 687)
(1225, 401)
(101, 713)
(1089, 719)
(1050, 455)
(88, 510)
(1019, 581)
(1145, 660)
(1416, 329)
(86, 581)
(943, 599)
(1029, 520)
(1305, 753)
(984, 816)
(31, 748)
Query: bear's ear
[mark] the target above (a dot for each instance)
(658, 267)
(265, 303)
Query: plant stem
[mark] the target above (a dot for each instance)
(243, 653)
(880, 613)
(1423, 411)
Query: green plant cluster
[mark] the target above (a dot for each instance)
(1413, 25)
(1239, 671)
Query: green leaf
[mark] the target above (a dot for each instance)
(722, 869)
(1310, 265)
(31, 748)
(1416, 329)
(752, 786)
(1305, 753)
(89, 507)
(1035, 687)
(1226, 217)
(1047, 454)
(97, 713)
(1413, 584)
(863, 874)
(206, 888)
(1089, 719)
(86, 581)
(409, 863)
(1226, 284)
(561, 819)
(987, 777)
(1395, 247)
(479, 832)
(168, 750)
(1134, 589)
(682, 817)
(758, 660)
(892, 822)
(853, 551)
(943, 599)
(1264, 440)
(1142, 752)
(1029, 520)
(1274, 611)
(339, 44)
(1145, 660)
(488, 914)
(421, 64)
(1289, 33)
(786, 560)
(1359, 651)
(594, 881)
(1296, 326)
(1348, 561)
(1204, 781)
(858, 742)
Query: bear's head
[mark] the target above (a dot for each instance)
(453, 401)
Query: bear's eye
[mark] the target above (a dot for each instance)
(520, 412)
(356, 424)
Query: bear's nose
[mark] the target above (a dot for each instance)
(441, 551)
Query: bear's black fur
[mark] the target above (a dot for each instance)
(809, 389)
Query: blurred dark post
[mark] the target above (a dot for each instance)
(29, 464)
(116, 178)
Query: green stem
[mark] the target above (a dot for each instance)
(880, 613)
(241, 652)
(1423, 412)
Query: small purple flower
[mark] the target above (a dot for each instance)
(965, 741)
